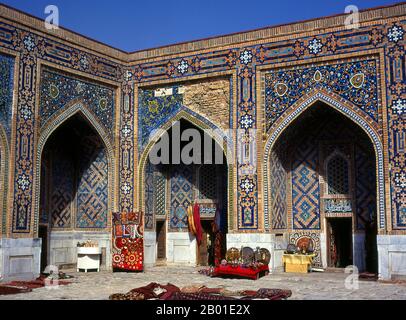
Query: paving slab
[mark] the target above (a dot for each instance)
(325, 286)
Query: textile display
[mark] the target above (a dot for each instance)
(155, 291)
(218, 248)
(197, 224)
(128, 241)
(191, 222)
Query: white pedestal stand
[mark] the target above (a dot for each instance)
(88, 258)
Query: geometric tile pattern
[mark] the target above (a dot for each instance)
(58, 90)
(396, 89)
(278, 188)
(92, 190)
(154, 111)
(149, 196)
(6, 92)
(181, 196)
(155, 194)
(365, 180)
(241, 59)
(63, 186)
(333, 129)
(337, 175)
(44, 189)
(208, 182)
(305, 187)
(160, 193)
(285, 87)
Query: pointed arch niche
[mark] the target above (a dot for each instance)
(296, 195)
(182, 184)
(74, 183)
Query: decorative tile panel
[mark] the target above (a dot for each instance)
(305, 187)
(6, 92)
(92, 190)
(354, 81)
(58, 91)
(181, 196)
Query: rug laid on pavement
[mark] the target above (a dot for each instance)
(15, 287)
(367, 276)
(155, 291)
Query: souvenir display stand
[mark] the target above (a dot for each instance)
(244, 263)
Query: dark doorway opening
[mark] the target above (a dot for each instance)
(339, 242)
(43, 234)
(371, 247)
(206, 248)
(161, 240)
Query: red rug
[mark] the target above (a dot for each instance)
(15, 287)
(156, 291)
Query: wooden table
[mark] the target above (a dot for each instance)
(298, 263)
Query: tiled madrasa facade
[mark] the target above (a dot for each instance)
(317, 117)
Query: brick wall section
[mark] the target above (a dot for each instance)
(210, 99)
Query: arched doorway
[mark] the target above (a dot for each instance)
(322, 186)
(74, 189)
(169, 188)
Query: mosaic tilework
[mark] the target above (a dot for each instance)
(6, 92)
(44, 189)
(396, 88)
(356, 119)
(92, 191)
(149, 196)
(389, 36)
(305, 187)
(278, 188)
(25, 128)
(63, 188)
(285, 87)
(338, 176)
(181, 196)
(365, 187)
(32, 47)
(126, 145)
(155, 194)
(58, 90)
(208, 182)
(245, 59)
(20, 39)
(160, 193)
(296, 236)
(155, 111)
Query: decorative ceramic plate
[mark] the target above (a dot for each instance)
(247, 254)
(232, 254)
(291, 248)
(265, 256)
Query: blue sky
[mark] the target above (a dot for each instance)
(133, 25)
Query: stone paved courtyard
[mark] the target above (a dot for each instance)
(326, 285)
